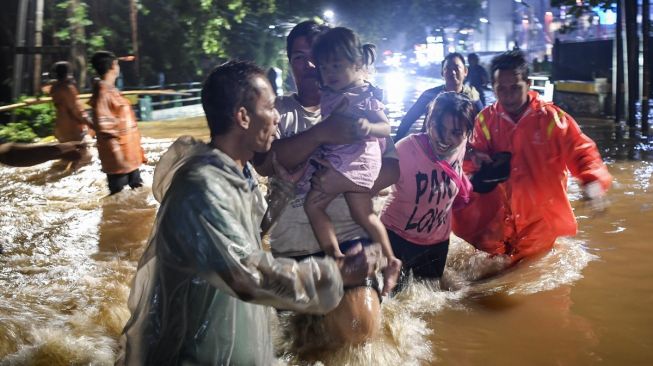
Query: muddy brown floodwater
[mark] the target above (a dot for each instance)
(70, 253)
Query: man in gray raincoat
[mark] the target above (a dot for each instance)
(203, 283)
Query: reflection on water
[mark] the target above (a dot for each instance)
(70, 253)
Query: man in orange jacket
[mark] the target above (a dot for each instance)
(524, 215)
(114, 121)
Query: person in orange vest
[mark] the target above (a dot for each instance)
(114, 121)
(525, 207)
(71, 123)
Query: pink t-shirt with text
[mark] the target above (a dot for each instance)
(418, 208)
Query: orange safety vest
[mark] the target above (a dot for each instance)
(524, 215)
(70, 124)
(118, 138)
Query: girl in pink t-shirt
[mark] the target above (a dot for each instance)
(417, 213)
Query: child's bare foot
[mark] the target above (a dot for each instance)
(391, 275)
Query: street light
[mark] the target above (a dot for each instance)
(329, 15)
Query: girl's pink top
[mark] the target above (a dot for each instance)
(359, 162)
(420, 204)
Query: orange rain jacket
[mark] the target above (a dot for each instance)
(118, 138)
(70, 124)
(524, 215)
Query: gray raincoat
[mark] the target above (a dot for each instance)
(204, 288)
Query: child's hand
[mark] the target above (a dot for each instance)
(363, 127)
(391, 275)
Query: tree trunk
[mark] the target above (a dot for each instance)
(77, 52)
(20, 42)
(133, 20)
(632, 45)
(646, 30)
(38, 42)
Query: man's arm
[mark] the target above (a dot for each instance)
(295, 150)
(417, 110)
(581, 154)
(201, 232)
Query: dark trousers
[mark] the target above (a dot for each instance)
(426, 261)
(118, 181)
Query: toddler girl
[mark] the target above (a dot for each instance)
(342, 63)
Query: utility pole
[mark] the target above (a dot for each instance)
(632, 47)
(38, 42)
(618, 77)
(646, 30)
(21, 18)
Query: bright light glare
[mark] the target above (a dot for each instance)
(329, 14)
(395, 83)
(483, 20)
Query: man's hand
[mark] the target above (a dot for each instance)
(71, 151)
(594, 194)
(359, 263)
(327, 179)
(477, 157)
(340, 128)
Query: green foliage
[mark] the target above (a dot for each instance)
(16, 132)
(183, 39)
(33, 121)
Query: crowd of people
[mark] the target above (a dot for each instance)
(205, 288)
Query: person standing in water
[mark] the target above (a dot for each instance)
(342, 62)
(418, 210)
(524, 215)
(454, 73)
(114, 121)
(204, 289)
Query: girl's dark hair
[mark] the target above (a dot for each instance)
(455, 104)
(343, 42)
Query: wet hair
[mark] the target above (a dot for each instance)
(227, 88)
(450, 58)
(342, 42)
(60, 70)
(308, 28)
(102, 62)
(455, 104)
(510, 60)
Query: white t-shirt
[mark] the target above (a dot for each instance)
(292, 235)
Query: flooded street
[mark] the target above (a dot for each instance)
(69, 253)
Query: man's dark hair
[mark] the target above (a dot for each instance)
(510, 60)
(472, 56)
(60, 70)
(450, 58)
(455, 104)
(308, 29)
(102, 62)
(227, 88)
